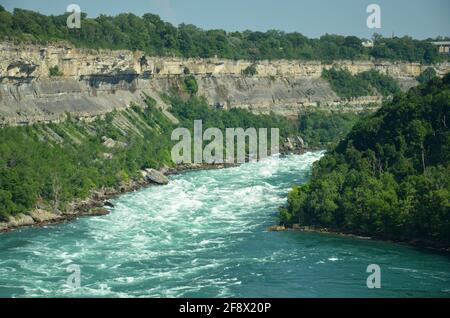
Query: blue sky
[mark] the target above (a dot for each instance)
(418, 18)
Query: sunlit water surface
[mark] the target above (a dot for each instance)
(204, 235)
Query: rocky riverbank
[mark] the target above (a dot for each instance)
(426, 244)
(98, 201)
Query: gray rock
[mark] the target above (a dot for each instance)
(41, 216)
(109, 204)
(110, 143)
(4, 226)
(107, 156)
(164, 170)
(288, 144)
(277, 228)
(21, 220)
(155, 176)
(300, 142)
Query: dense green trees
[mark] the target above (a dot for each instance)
(384, 84)
(390, 177)
(197, 108)
(366, 83)
(250, 70)
(404, 48)
(321, 129)
(55, 163)
(51, 165)
(156, 37)
(426, 75)
(191, 85)
(345, 84)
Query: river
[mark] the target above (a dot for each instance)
(204, 235)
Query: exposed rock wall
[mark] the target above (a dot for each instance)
(94, 82)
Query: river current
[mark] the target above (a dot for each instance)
(205, 235)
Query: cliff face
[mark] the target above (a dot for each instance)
(92, 83)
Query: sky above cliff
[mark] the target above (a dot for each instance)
(417, 18)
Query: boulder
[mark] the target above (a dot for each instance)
(307, 229)
(277, 228)
(110, 143)
(109, 204)
(164, 170)
(300, 142)
(288, 144)
(107, 156)
(21, 220)
(296, 227)
(155, 176)
(41, 216)
(97, 212)
(4, 226)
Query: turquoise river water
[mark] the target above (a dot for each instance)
(204, 235)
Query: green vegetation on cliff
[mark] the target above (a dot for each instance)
(250, 71)
(426, 75)
(324, 129)
(50, 165)
(196, 108)
(54, 71)
(191, 85)
(56, 163)
(366, 83)
(156, 37)
(390, 177)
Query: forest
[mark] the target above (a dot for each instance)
(365, 83)
(321, 129)
(156, 37)
(390, 177)
(50, 165)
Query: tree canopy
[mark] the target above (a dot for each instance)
(390, 177)
(324, 129)
(366, 83)
(50, 165)
(156, 37)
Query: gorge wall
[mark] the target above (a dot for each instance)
(91, 83)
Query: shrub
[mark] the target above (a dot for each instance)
(250, 70)
(426, 75)
(54, 71)
(190, 84)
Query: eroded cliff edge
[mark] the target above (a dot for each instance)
(90, 83)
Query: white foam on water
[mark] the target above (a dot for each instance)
(191, 237)
(197, 213)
